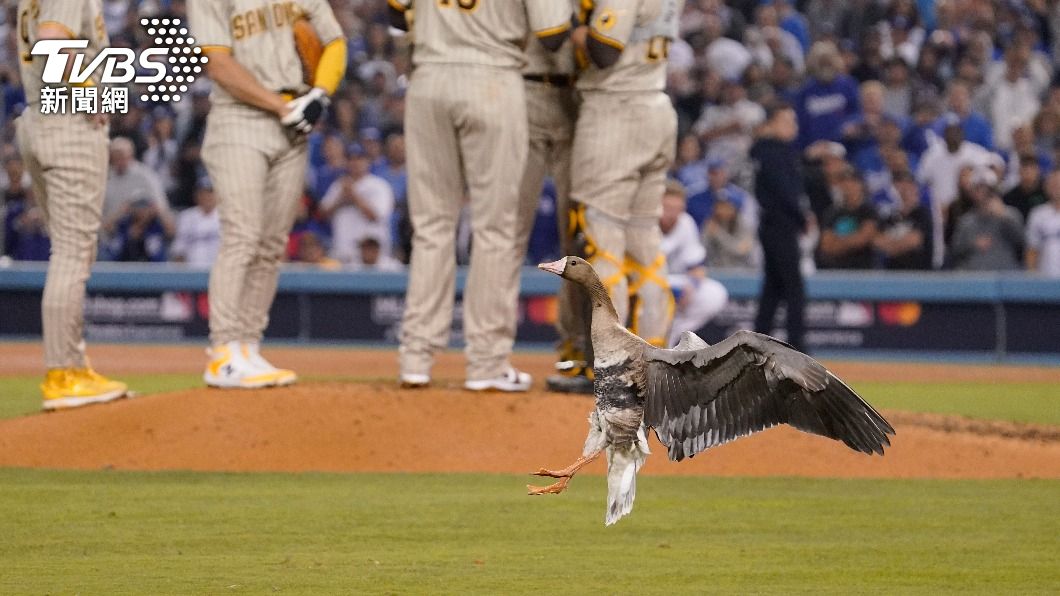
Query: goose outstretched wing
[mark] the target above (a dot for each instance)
(699, 398)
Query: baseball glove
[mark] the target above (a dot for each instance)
(309, 47)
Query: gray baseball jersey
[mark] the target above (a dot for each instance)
(258, 33)
(256, 165)
(81, 19)
(466, 126)
(66, 156)
(539, 60)
(484, 32)
(643, 31)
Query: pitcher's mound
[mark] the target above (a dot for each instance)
(378, 427)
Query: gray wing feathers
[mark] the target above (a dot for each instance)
(698, 399)
(691, 341)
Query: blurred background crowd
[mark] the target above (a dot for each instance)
(929, 130)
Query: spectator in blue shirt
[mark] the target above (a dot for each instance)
(690, 169)
(391, 167)
(140, 236)
(828, 99)
(792, 21)
(544, 237)
(701, 205)
(333, 167)
(25, 237)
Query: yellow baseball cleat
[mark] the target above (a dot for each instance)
(229, 369)
(74, 387)
(252, 354)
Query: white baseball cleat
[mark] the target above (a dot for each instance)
(414, 381)
(282, 376)
(229, 369)
(510, 381)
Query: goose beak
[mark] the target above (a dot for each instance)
(556, 267)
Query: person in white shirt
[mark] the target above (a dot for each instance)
(726, 128)
(1043, 232)
(697, 297)
(129, 181)
(198, 235)
(939, 170)
(163, 149)
(358, 205)
(1013, 97)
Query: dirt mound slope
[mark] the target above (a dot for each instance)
(334, 426)
(115, 359)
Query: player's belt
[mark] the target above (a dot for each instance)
(556, 80)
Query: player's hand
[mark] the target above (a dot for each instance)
(306, 110)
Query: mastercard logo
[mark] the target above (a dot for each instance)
(904, 314)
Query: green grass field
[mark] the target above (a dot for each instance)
(150, 533)
(1022, 402)
(185, 533)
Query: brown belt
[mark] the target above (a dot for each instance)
(556, 80)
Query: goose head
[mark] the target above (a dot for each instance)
(573, 269)
(579, 271)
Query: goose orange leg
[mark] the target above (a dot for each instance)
(564, 476)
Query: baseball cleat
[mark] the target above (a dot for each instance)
(252, 354)
(74, 387)
(575, 376)
(229, 369)
(580, 384)
(511, 381)
(413, 381)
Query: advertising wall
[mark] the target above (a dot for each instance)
(959, 316)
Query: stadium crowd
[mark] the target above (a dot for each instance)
(929, 132)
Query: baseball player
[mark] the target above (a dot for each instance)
(624, 143)
(466, 127)
(66, 155)
(551, 106)
(255, 151)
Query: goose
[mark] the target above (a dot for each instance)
(697, 396)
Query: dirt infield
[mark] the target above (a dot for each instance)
(373, 426)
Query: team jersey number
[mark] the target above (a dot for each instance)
(658, 48)
(467, 5)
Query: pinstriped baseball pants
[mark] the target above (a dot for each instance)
(551, 114)
(466, 134)
(624, 143)
(66, 156)
(257, 169)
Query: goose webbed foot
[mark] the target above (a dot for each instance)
(564, 476)
(553, 489)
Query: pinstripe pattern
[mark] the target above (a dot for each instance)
(259, 34)
(82, 19)
(551, 112)
(66, 156)
(257, 169)
(466, 128)
(483, 32)
(67, 159)
(623, 145)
